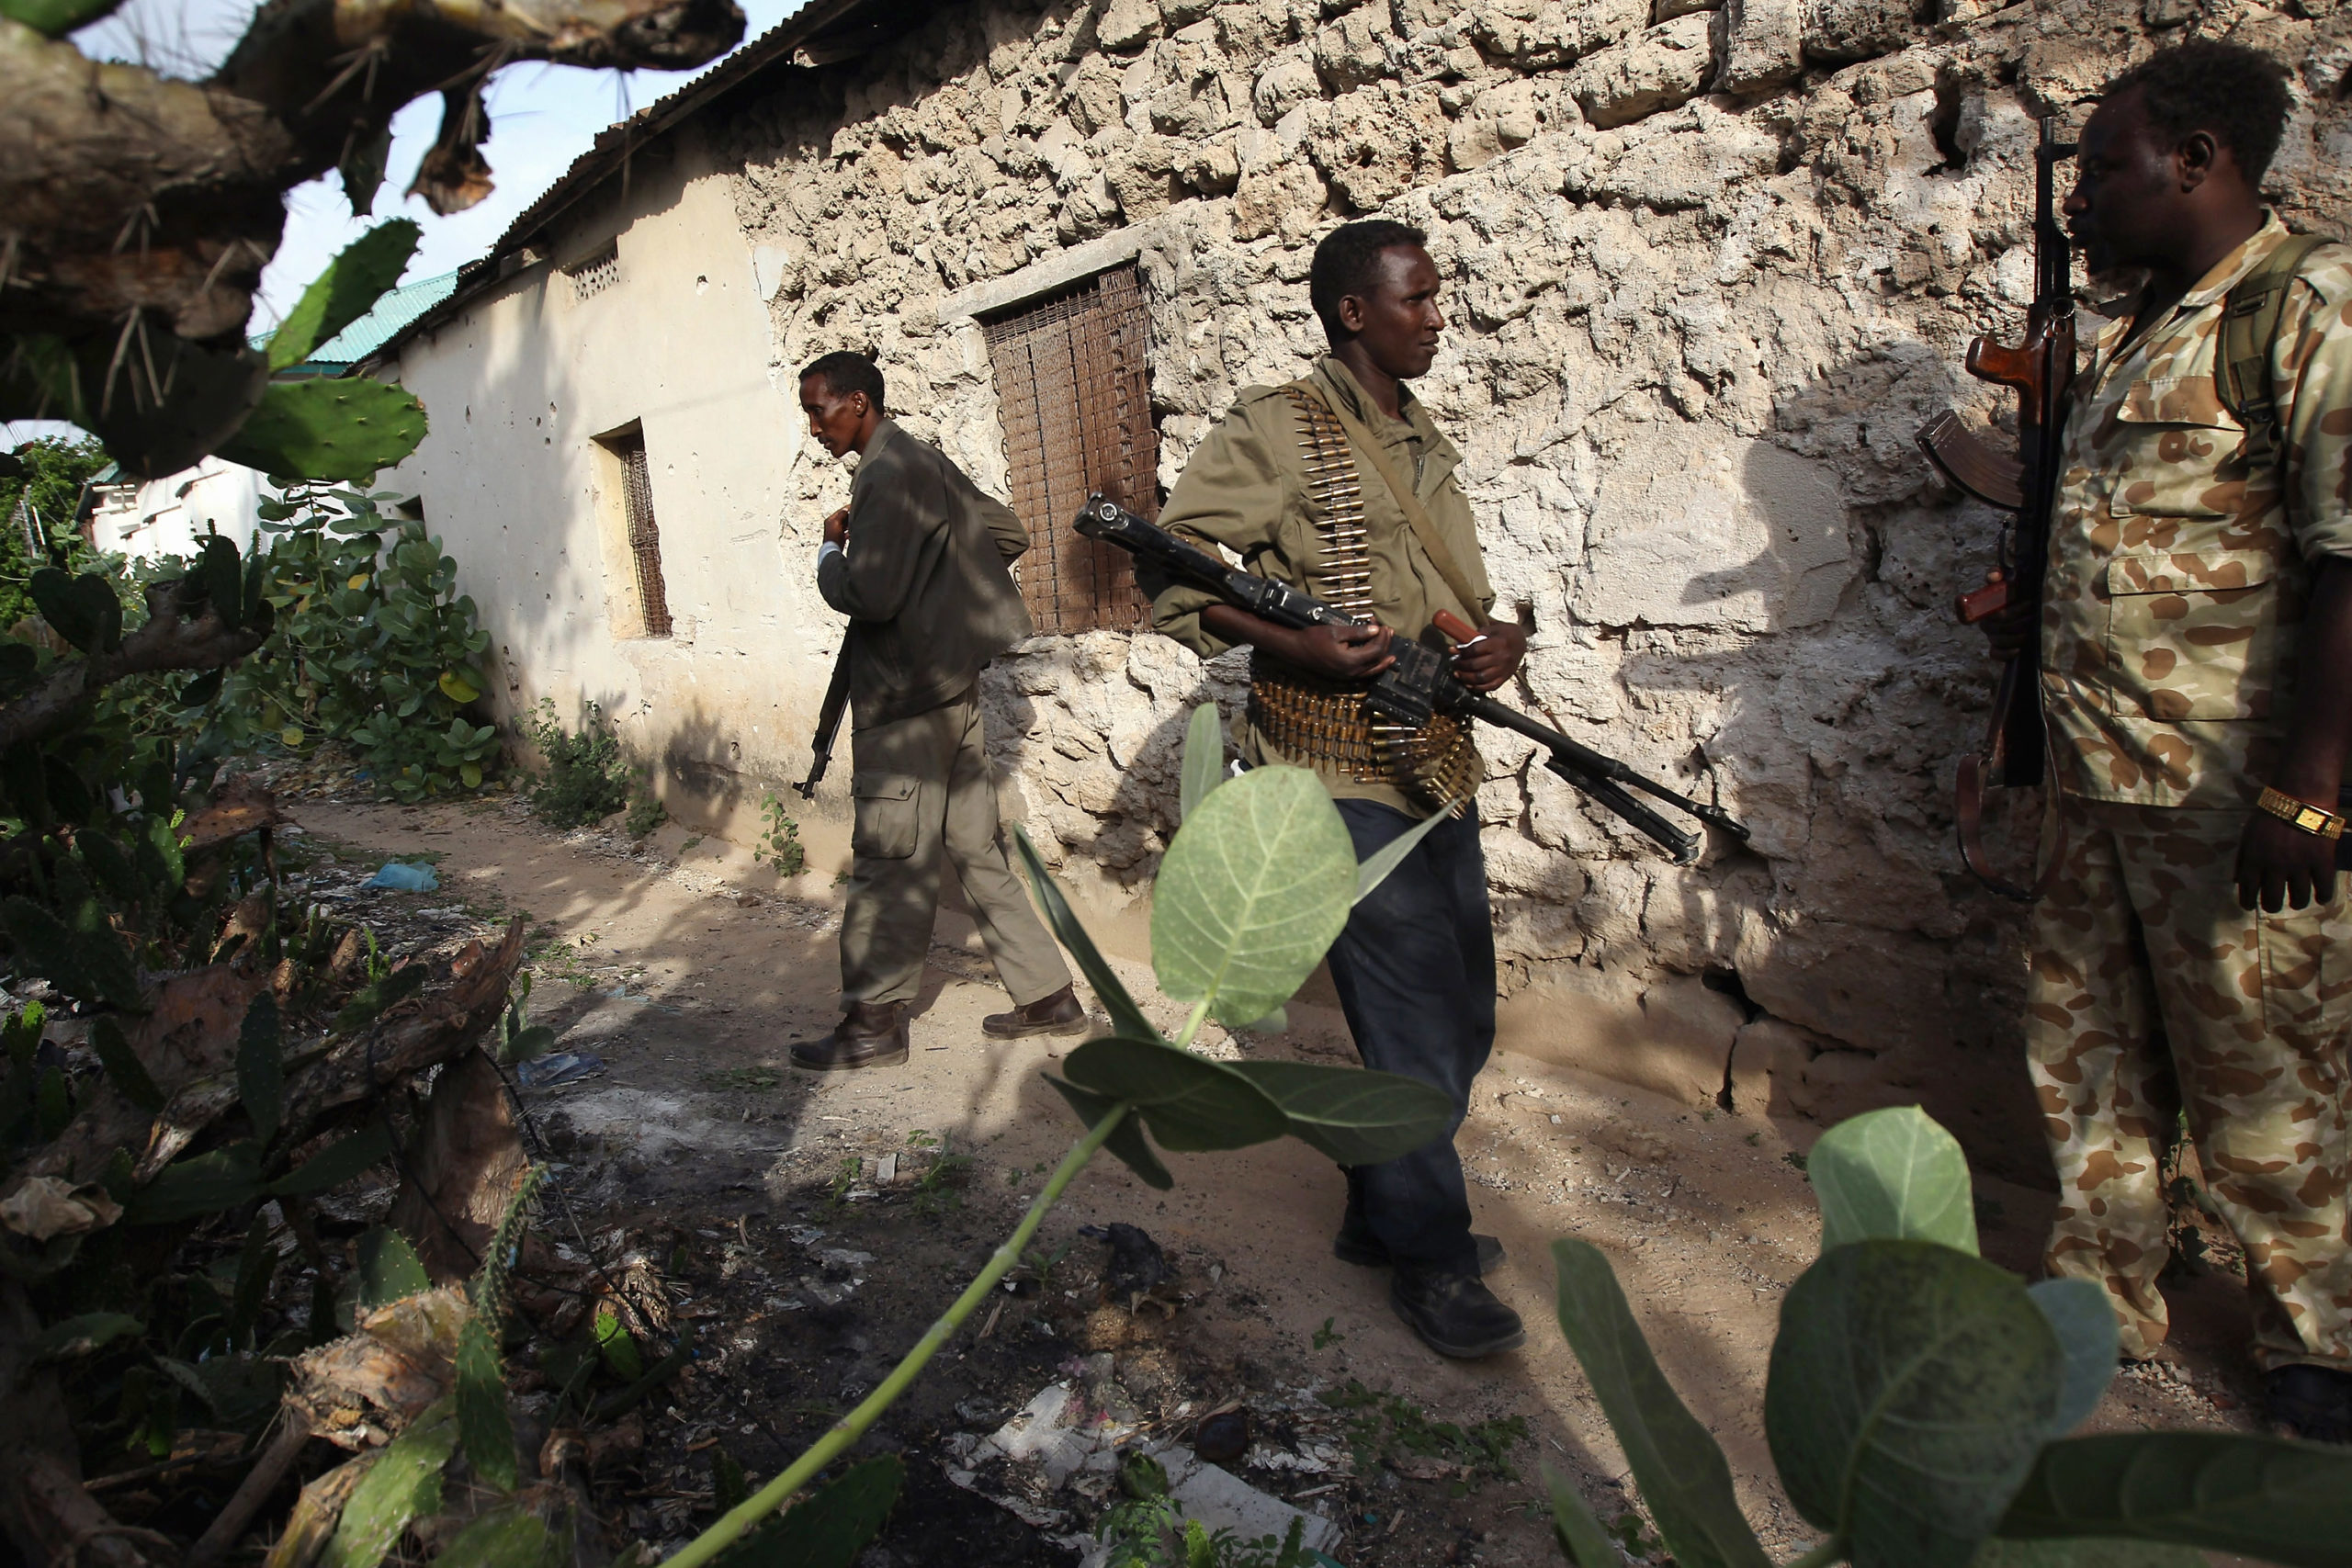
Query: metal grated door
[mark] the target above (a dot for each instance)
(1075, 399)
(644, 539)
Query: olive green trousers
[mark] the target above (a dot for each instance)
(924, 791)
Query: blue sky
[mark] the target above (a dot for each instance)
(542, 117)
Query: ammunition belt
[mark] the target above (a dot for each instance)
(1314, 720)
(1318, 721)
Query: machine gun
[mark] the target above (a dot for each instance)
(1417, 684)
(2042, 370)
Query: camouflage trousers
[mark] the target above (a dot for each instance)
(2152, 990)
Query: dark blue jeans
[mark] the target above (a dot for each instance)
(1415, 970)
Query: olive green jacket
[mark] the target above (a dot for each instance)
(1247, 490)
(926, 576)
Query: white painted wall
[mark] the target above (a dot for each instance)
(519, 387)
(170, 516)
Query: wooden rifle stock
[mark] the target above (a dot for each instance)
(2040, 370)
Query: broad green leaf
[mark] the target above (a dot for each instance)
(1582, 1538)
(1251, 893)
(328, 428)
(389, 1269)
(1910, 1388)
(1204, 759)
(2080, 1314)
(1125, 1016)
(1892, 1175)
(55, 18)
(82, 610)
(1354, 1116)
(1374, 869)
(828, 1529)
(1999, 1553)
(82, 1336)
(223, 576)
(457, 688)
(1678, 1467)
(404, 1484)
(617, 1347)
(46, 947)
(337, 1163)
(1126, 1139)
(2265, 1497)
(202, 1184)
(484, 1426)
(349, 287)
(256, 1266)
(124, 1068)
(505, 1537)
(261, 1070)
(1190, 1103)
(239, 1390)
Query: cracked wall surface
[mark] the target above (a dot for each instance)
(1709, 269)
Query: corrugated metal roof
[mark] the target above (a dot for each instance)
(610, 153)
(363, 338)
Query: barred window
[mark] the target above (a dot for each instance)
(593, 274)
(644, 536)
(1074, 395)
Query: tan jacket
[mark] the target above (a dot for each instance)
(1246, 488)
(924, 576)
(2178, 578)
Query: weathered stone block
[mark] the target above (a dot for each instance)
(1283, 199)
(1128, 24)
(1354, 49)
(1768, 1062)
(1839, 31)
(1661, 68)
(1692, 528)
(1764, 46)
(1282, 86)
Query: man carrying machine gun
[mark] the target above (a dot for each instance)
(2195, 658)
(1340, 485)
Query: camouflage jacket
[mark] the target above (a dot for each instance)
(2177, 578)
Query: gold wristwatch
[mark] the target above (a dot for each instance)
(2316, 820)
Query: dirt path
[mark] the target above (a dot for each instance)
(690, 970)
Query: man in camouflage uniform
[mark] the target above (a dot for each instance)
(1316, 484)
(2196, 647)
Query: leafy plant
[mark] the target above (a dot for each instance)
(1919, 1399)
(646, 811)
(1256, 884)
(582, 778)
(41, 488)
(375, 648)
(778, 844)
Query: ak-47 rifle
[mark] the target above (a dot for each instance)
(1417, 684)
(2015, 750)
(828, 720)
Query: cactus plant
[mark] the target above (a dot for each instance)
(329, 429)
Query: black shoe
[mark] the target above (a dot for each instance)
(1061, 1013)
(2312, 1403)
(1355, 1243)
(874, 1035)
(1455, 1315)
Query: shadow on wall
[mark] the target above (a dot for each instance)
(1785, 601)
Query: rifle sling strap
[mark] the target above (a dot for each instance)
(2242, 369)
(1415, 518)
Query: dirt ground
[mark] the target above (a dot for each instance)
(813, 1226)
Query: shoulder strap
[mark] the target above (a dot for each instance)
(1415, 518)
(2249, 331)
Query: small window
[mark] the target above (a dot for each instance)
(644, 536)
(1074, 395)
(595, 272)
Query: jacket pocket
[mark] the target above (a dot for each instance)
(888, 816)
(2192, 633)
(2173, 451)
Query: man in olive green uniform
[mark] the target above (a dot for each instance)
(2196, 645)
(1340, 484)
(918, 560)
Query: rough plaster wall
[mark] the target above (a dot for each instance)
(1694, 332)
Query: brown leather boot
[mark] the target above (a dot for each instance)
(1061, 1013)
(874, 1035)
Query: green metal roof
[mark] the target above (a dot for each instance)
(396, 310)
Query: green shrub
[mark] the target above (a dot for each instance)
(581, 778)
(779, 842)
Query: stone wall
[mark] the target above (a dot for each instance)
(1708, 271)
